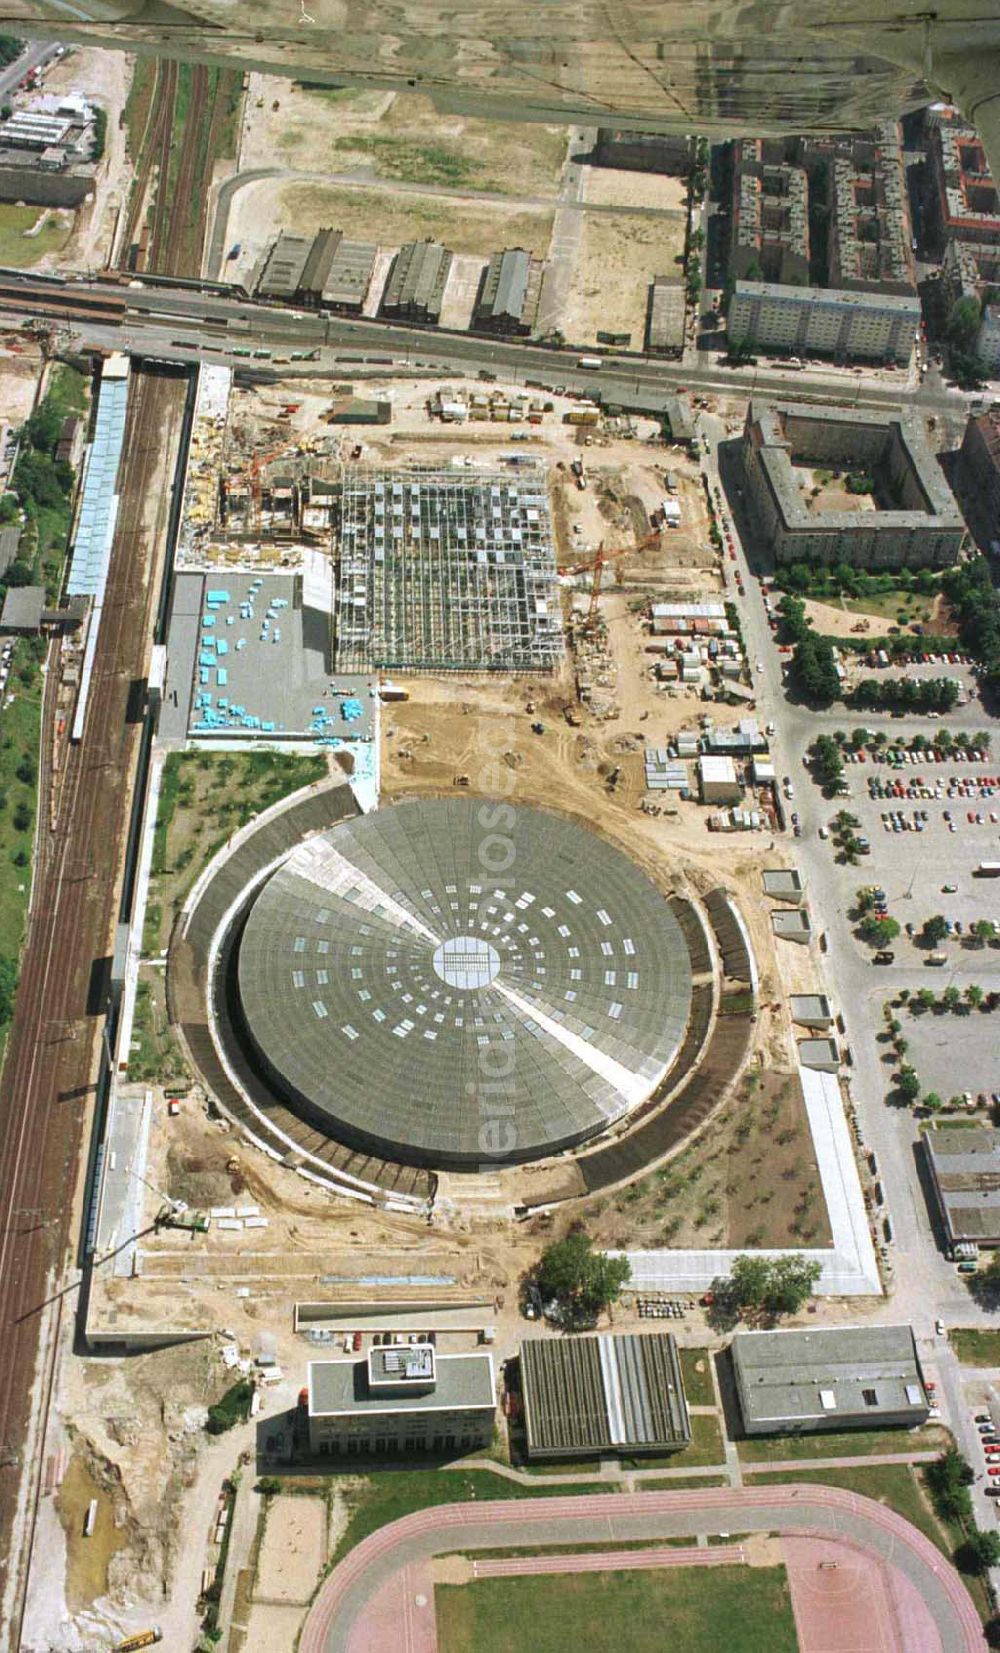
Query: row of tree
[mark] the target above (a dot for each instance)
(581, 1282)
(814, 669)
(976, 603)
(932, 694)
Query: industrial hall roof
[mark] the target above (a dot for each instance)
(585, 1394)
(457, 983)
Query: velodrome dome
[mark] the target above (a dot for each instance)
(459, 984)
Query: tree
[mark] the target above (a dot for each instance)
(974, 995)
(828, 765)
(908, 1083)
(581, 1280)
(771, 1286)
(932, 1102)
(934, 929)
(948, 1479)
(866, 899)
(878, 932)
(814, 670)
(951, 998)
(982, 931)
(963, 322)
(980, 1551)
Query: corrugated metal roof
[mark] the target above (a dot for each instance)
(98, 509)
(593, 1393)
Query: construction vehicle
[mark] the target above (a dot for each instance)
(142, 1638)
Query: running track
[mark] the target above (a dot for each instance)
(805, 1509)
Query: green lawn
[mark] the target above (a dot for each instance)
(974, 1347)
(706, 1447)
(693, 1609)
(18, 250)
(388, 1494)
(696, 1370)
(852, 1443)
(885, 605)
(19, 735)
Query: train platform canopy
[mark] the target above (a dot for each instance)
(91, 551)
(614, 1392)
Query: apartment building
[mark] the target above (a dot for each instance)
(815, 321)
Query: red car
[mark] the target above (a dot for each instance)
(357, 1342)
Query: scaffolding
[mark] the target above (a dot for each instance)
(444, 569)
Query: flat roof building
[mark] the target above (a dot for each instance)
(784, 884)
(417, 280)
(821, 1054)
(792, 924)
(22, 609)
(717, 780)
(509, 293)
(823, 321)
(915, 523)
(847, 1377)
(665, 320)
(965, 1171)
(613, 1392)
(403, 1398)
(811, 1010)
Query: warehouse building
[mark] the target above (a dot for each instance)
(337, 273)
(847, 1377)
(665, 318)
(610, 1393)
(509, 293)
(417, 280)
(823, 321)
(402, 1398)
(324, 271)
(965, 1172)
(916, 522)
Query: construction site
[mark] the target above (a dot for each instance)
(447, 570)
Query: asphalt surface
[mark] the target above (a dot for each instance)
(825, 1511)
(922, 1284)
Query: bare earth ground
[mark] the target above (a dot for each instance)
(395, 137)
(619, 256)
(18, 378)
(609, 186)
(293, 1551)
(105, 77)
(467, 226)
(272, 1628)
(716, 1193)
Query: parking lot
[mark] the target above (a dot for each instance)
(954, 1053)
(930, 825)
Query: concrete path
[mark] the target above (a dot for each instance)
(828, 1512)
(612, 1561)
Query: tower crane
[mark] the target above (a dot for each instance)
(595, 565)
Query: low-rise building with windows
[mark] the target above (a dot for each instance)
(799, 1382)
(404, 1397)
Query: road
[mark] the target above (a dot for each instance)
(48, 1078)
(37, 53)
(356, 1581)
(923, 1285)
(188, 326)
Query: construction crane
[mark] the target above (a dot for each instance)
(596, 563)
(253, 470)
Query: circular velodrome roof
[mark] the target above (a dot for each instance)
(463, 984)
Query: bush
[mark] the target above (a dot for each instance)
(233, 1408)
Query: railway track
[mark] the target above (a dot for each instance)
(52, 1058)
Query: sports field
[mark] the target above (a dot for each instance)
(692, 1610)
